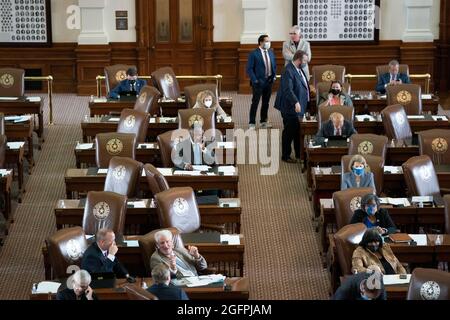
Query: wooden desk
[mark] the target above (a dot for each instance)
(14, 156)
(78, 180)
(156, 127)
(139, 221)
(23, 106)
(5, 189)
(228, 259)
(22, 131)
(169, 108)
(239, 290)
(376, 104)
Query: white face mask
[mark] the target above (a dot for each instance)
(208, 103)
(266, 45)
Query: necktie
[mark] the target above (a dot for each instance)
(266, 62)
(338, 131)
(197, 154)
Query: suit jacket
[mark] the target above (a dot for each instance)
(383, 219)
(95, 262)
(350, 289)
(170, 292)
(345, 99)
(327, 130)
(386, 78)
(349, 181)
(256, 68)
(289, 49)
(193, 264)
(363, 258)
(185, 153)
(124, 86)
(292, 89)
(69, 294)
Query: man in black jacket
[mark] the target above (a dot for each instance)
(162, 287)
(362, 286)
(337, 126)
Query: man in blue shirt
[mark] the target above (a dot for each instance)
(130, 86)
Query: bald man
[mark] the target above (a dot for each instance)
(337, 126)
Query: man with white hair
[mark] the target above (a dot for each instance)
(77, 287)
(181, 262)
(391, 78)
(161, 285)
(294, 44)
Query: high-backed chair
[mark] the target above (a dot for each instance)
(395, 122)
(447, 213)
(147, 244)
(191, 92)
(346, 202)
(328, 72)
(346, 239)
(12, 82)
(408, 95)
(114, 74)
(167, 142)
(383, 69)
(104, 209)
(65, 248)
(375, 165)
(166, 82)
(133, 121)
(323, 87)
(326, 111)
(3, 146)
(147, 101)
(155, 180)
(435, 144)
(177, 207)
(135, 292)
(112, 144)
(421, 178)
(429, 284)
(123, 176)
(204, 116)
(368, 144)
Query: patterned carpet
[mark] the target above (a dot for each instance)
(281, 248)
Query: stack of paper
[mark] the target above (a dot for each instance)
(327, 203)
(114, 119)
(11, 118)
(395, 201)
(422, 199)
(199, 281)
(227, 170)
(227, 119)
(34, 99)
(442, 118)
(152, 120)
(15, 145)
(186, 173)
(48, 287)
(201, 167)
(416, 117)
(165, 171)
(132, 243)
(426, 96)
(420, 239)
(231, 239)
(9, 98)
(146, 146)
(138, 204)
(102, 171)
(365, 116)
(231, 202)
(84, 146)
(393, 169)
(98, 100)
(391, 279)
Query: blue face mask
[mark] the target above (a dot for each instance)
(358, 171)
(371, 210)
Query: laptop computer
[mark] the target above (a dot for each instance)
(103, 280)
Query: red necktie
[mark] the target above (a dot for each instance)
(338, 131)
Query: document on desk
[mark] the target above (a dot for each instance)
(426, 96)
(114, 119)
(422, 199)
(199, 281)
(132, 243)
(34, 99)
(232, 239)
(391, 279)
(9, 98)
(186, 173)
(327, 203)
(152, 120)
(420, 239)
(15, 145)
(395, 201)
(416, 117)
(84, 146)
(393, 169)
(167, 120)
(138, 204)
(12, 118)
(102, 171)
(227, 119)
(229, 202)
(5, 172)
(227, 169)
(365, 116)
(440, 118)
(48, 287)
(165, 171)
(22, 119)
(146, 146)
(324, 170)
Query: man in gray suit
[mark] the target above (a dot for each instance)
(295, 44)
(181, 262)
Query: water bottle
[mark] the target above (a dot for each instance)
(369, 96)
(152, 203)
(34, 288)
(144, 285)
(438, 241)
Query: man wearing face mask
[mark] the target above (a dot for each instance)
(357, 177)
(373, 251)
(335, 96)
(362, 286)
(261, 68)
(337, 126)
(373, 216)
(131, 86)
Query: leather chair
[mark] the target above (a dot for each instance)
(324, 87)
(382, 69)
(147, 244)
(429, 284)
(187, 117)
(191, 92)
(435, 144)
(328, 72)
(167, 141)
(147, 101)
(375, 165)
(65, 248)
(3, 146)
(155, 180)
(177, 207)
(395, 122)
(104, 209)
(12, 82)
(112, 144)
(133, 121)
(135, 292)
(346, 202)
(123, 176)
(408, 95)
(368, 144)
(114, 74)
(346, 239)
(326, 111)
(421, 178)
(166, 81)
(447, 213)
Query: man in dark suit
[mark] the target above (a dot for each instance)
(77, 288)
(130, 86)
(362, 286)
(337, 126)
(162, 287)
(392, 78)
(261, 68)
(292, 101)
(100, 257)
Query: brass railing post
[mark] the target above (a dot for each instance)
(49, 80)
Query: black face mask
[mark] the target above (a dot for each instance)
(373, 248)
(335, 91)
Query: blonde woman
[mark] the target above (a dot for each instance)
(207, 99)
(357, 177)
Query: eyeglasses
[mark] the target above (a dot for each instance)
(292, 33)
